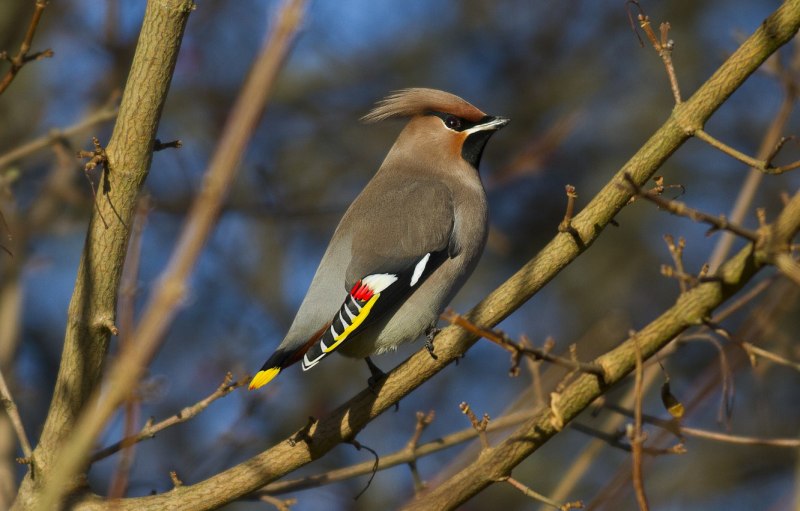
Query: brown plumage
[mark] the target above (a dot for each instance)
(406, 244)
(420, 101)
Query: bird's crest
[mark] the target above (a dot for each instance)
(419, 101)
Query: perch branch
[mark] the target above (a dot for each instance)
(350, 418)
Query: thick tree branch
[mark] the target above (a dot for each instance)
(94, 299)
(497, 464)
(718, 223)
(10, 408)
(124, 373)
(345, 422)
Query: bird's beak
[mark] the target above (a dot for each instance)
(488, 123)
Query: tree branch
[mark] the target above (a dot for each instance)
(345, 422)
(124, 373)
(105, 113)
(13, 414)
(518, 349)
(94, 299)
(718, 223)
(764, 166)
(405, 455)
(689, 309)
(22, 57)
(150, 430)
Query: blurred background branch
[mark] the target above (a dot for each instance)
(92, 310)
(23, 56)
(583, 96)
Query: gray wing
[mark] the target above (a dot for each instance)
(393, 229)
(379, 233)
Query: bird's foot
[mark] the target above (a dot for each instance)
(430, 333)
(374, 381)
(302, 435)
(377, 375)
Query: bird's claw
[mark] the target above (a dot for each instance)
(430, 334)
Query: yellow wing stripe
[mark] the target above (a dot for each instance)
(362, 315)
(263, 377)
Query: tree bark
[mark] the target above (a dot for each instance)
(349, 419)
(92, 308)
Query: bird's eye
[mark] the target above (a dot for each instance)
(452, 122)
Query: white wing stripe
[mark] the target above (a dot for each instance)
(379, 281)
(308, 364)
(419, 268)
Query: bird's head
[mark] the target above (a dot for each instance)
(441, 124)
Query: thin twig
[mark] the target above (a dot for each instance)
(403, 456)
(792, 443)
(728, 383)
(423, 421)
(566, 223)
(743, 300)
(106, 113)
(150, 430)
(754, 177)
(479, 425)
(678, 208)
(615, 440)
(97, 157)
(578, 504)
(126, 370)
(280, 504)
(176, 481)
(753, 351)
(158, 145)
(676, 251)
(679, 430)
(663, 46)
(22, 57)
(126, 306)
(506, 342)
(535, 366)
(636, 436)
(764, 166)
(13, 413)
(355, 443)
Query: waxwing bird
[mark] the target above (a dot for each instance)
(407, 243)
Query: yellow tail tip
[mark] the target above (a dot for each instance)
(263, 377)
